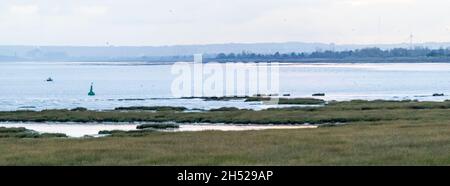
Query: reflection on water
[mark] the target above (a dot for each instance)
(92, 129)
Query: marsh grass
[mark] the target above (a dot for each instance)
(352, 133)
(153, 108)
(333, 112)
(289, 101)
(399, 142)
(21, 132)
(130, 133)
(158, 126)
(226, 109)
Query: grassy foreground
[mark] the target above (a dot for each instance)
(375, 133)
(380, 143)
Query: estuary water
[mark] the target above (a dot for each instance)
(92, 129)
(23, 85)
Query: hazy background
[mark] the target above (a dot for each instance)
(178, 22)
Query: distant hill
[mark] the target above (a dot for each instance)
(87, 53)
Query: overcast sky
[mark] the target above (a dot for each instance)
(170, 22)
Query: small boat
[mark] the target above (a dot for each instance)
(49, 79)
(91, 91)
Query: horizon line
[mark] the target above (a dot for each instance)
(229, 43)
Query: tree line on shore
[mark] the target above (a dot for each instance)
(329, 54)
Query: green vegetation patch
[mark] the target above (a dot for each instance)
(21, 132)
(152, 108)
(158, 126)
(332, 112)
(226, 109)
(130, 133)
(289, 101)
(214, 98)
(400, 142)
(81, 109)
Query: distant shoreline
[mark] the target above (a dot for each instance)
(309, 60)
(347, 60)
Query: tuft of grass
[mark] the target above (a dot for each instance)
(289, 101)
(130, 133)
(257, 98)
(52, 135)
(224, 109)
(81, 109)
(21, 132)
(12, 130)
(214, 98)
(301, 101)
(157, 126)
(152, 108)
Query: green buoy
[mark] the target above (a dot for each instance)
(91, 92)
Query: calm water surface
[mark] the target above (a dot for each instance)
(23, 85)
